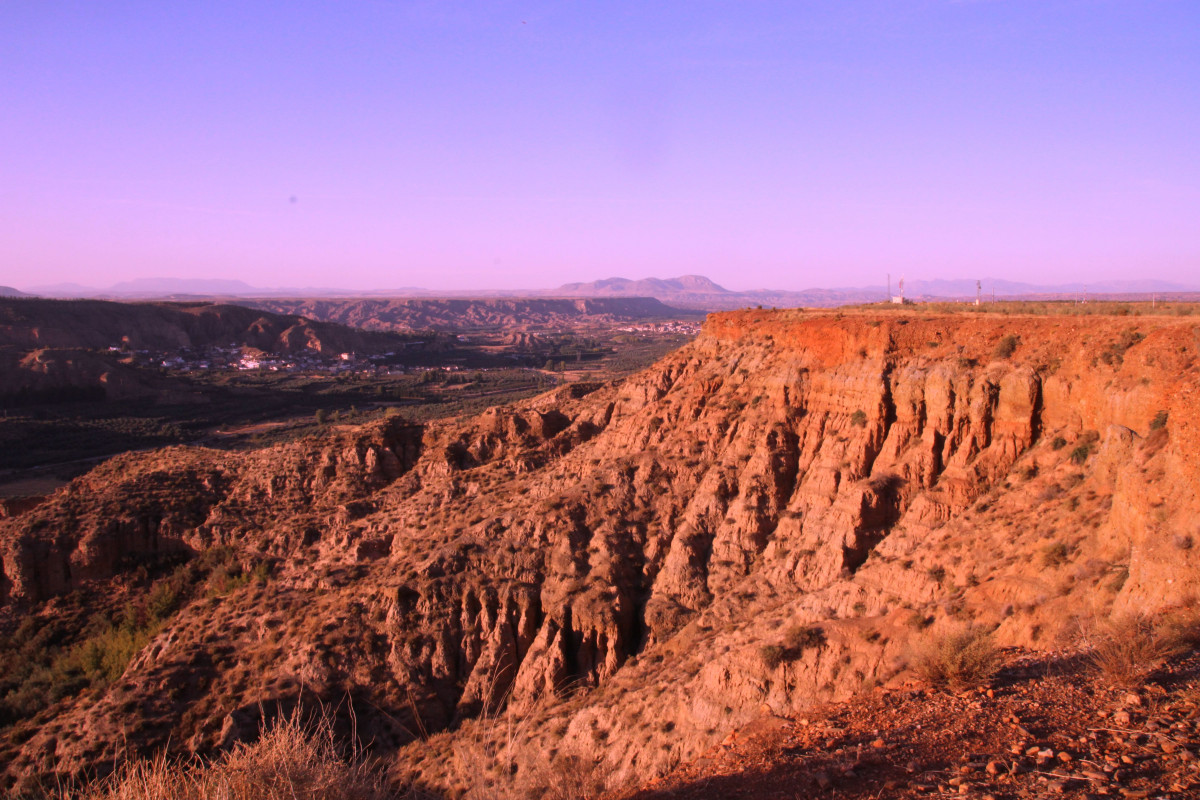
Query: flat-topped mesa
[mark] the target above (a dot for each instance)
(845, 470)
(950, 403)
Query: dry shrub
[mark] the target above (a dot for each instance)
(496, 758)
(290, 760)
(957, 659)
(771, 655)
(1127, 650)
(802, 637)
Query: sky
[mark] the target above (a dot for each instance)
(383, 144)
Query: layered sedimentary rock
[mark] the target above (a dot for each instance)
(609, 562)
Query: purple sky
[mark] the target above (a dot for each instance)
(384, 143)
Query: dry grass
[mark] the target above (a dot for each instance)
(290, 760)
(957, 659)
(1128, 650)
(495, 757)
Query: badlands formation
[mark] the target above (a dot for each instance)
(761, 524)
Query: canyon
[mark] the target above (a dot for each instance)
(623, 567)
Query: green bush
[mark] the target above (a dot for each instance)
(1159, 422)
(859, 418)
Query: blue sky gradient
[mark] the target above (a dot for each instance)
(379, 144)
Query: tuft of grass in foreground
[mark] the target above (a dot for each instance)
(1128, 650)
(290, 760)
(957, 659)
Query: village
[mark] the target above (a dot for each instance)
(237, 358)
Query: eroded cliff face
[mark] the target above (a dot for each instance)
(608, 562)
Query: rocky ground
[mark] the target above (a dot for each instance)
(1047, 725)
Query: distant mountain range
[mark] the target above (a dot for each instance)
(686, 291)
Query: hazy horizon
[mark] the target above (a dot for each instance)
(524, 146)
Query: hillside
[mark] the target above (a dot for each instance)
(98, 324)
(477, 314)
(56, 346)
(763, 523)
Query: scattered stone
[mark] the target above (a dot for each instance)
(993, 768)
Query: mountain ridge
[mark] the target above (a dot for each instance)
(686, 291)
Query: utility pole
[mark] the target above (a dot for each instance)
(978, 292)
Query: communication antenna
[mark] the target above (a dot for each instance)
(978, 292)
(901, 288)
(889, 287)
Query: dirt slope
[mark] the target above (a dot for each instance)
(614, 559)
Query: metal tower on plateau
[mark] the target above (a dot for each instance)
(978, 293)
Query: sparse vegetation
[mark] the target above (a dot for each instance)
(290, 760)
(1127, 650)
(803, 637)
(771, 655)
(1159, 422)
(859, 418)
(957, 659)
(1055, 554)
(1007, 346)
(42, 663)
